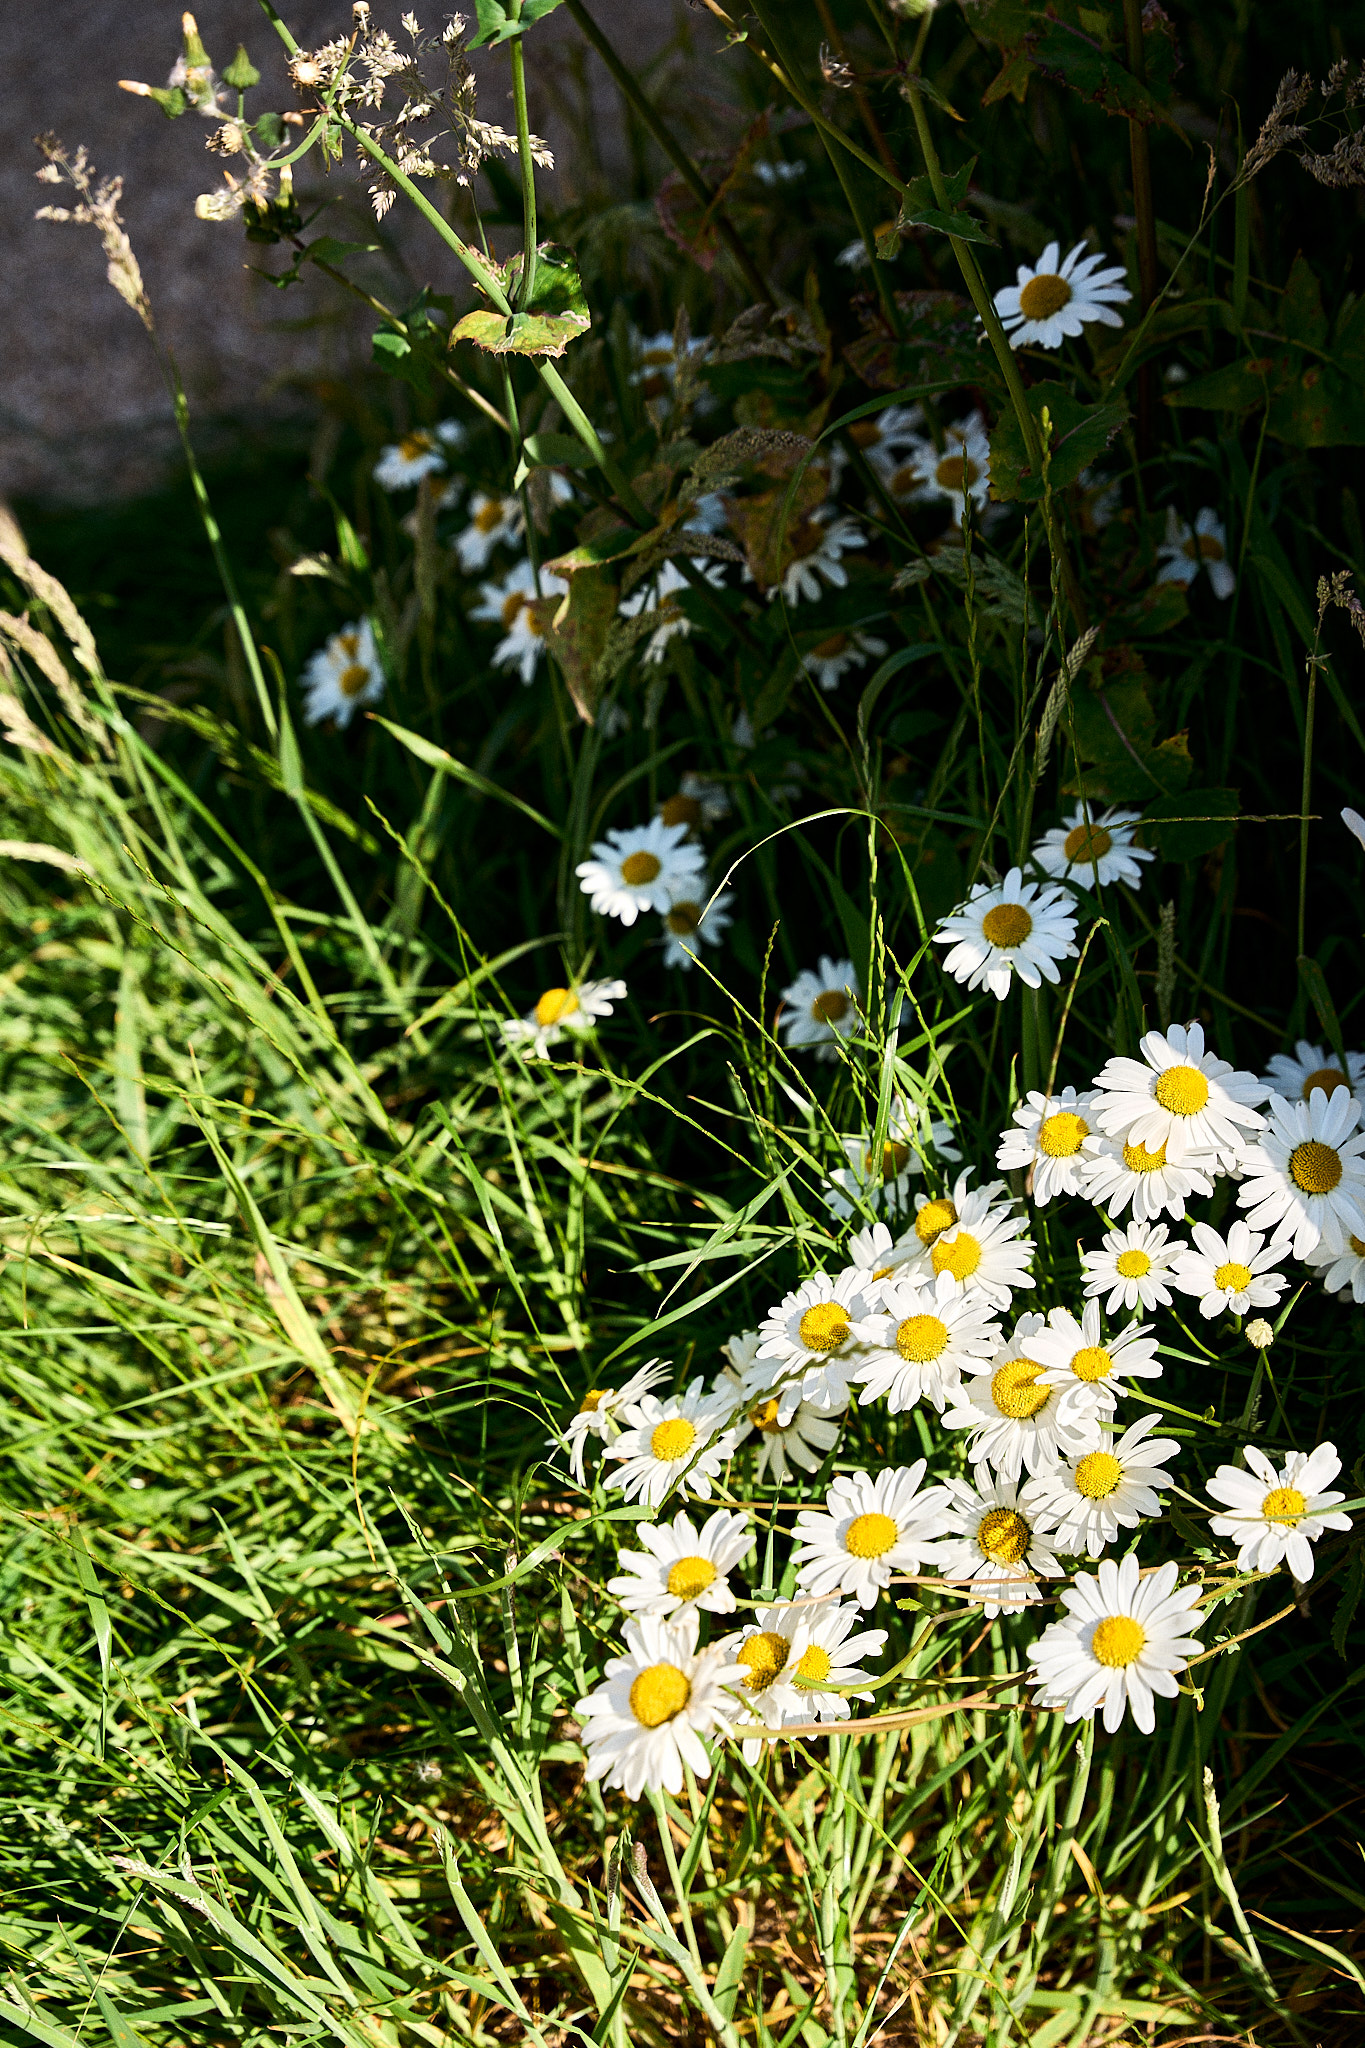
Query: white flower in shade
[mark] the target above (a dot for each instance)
(683, 1566)
(1178, 1097)
(575, 1010)
(1135, 1266)
(810, 1334)
(1093, 851)
(1305, 1179)
(884, 1183)
(1126, 1173)
(1047, 305)
(740, 1353)
(1354, 824)
(514, 605)
(658, 361)
(878, 1256)
(421, 453)
(645, 867)
(659, 593)
(961, 469)
(1105, 1484)
(923, 1337)
(1342, 1272)
(653, 1705)
(491, 520)
(821, 1007)
(983, 1250)
(1122, 1642)
(1296, 1075)
(792, 1656)
(688, 924)
(868, 1530)
(884, 438)
(677, 1442)
(343, 675)
(699, 801)
(1014, 1415)
(804, 1440)
(1053, 1137)
(1277, 1515)
(831, 658)
(1090, 1374)
(820, 543)
(1008, 928)
(1186, 550)
(998, 1545)
(599, 1417)
(1231, 1272)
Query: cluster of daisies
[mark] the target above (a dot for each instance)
(1050, 1471)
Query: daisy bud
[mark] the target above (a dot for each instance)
(1259, 1334)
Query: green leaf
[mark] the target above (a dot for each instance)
(497, 24)
(1196, 822)
(436, 757)
(578, 634)
(1349, 1601)
(552, 451)
(327, 249)
(1080, 433)
(960, 224)
(524, 334)
(1315, 986)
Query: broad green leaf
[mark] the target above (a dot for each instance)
(1080, 434)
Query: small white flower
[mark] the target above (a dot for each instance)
(983, 1249)
(1120, 1644)
(659, 593)
(1091, 1374)
(804, 1440)
(343, 675)
(868, 1530)
(1105, 1484)
(645, 867)
(867, 1183)
(820, 543)
(1305, 1179)
(885, 437)
(670, 1443)
(1232, 1272)
(1296, 1075)
(1093, 851)
(699, 802)
(1343, 1272)
(1053, 1137)
(1134, 1264)
(1008, 928)
(936, 1213)
(1278, 1514)
(653, 1705)
(811, 1334)
(821, 1007)
(1354, 824)
(514, 605)
(599, 1416)
(1178, 1097)
(1045, 306)
(682, 1566)
(687, 924)
(998, 1545)
(490, 520)
(404, 463)
(559, 1010)
(1014, 1415)
(925, 1335)
(1124, 1173)
(960, 470)
(878, 1256)
(830, 659)
(1186, 551)
(792, 1655)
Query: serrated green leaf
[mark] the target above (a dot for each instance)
(1079, 435)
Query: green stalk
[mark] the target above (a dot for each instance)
(526, 289)
(1307, 789)
(1143, 208)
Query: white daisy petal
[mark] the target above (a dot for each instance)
(998, 1545)
(821, 1007)
(1046, 305)
(1275, 1513)
(1305, 1177)
(868, 1530)
(1231, 1273)
(1120, 1644)
(343, 676)
(647, 867)
(681, 1566)
(1134, 1264)
(654, 1704)
(1052, 1137)
(1013, 927)
(1094, 851)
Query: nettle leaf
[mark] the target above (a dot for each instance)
(497, 23)
(1082, 48)
(1195, 822)
(1079, 434)
(1314, 392)
(920, 209)
(577, 635)
(558, 312)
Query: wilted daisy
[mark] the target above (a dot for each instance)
(599, 1416)
(1185, 551)
(343, 675)
(1045, 306)
(805, 1440)
(514, 605)
(491, 519)
(1008, 928)
(682, 1566)
(1093, 851)
(831, 658)
(677, 1442)
(920, 1341)
(421, 453)
(879, 1177)
(1122, 1642)
(819, 544)
(559, 1010)
(961, 469)
(1013, 1413)
(1178, 1097)
(1053, 1136)
(983, 1248)
(1295, 1075)
(1105, 1484)
(868, 1530)
(1090, 1374)
(687, 924)
(809, 1341)
(1135, 1265)
(698, 801)
(653, 1705)
(997, 1543)
(1124, 1173)
(791, 1655)
(1342, 1272)
(1231, 1272)
(1277, 1515)
(821, 1006)
(1305, 1179)
(642, 867)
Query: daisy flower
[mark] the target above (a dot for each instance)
(1090, 1374)
(810, 1334)
(699, 802)
(682, 1566)
(885, 437)
(997, 1543)
(1122, 1642)
(1178, 1097)
(819, 544)
(1135, 1264)
(1008, 928)
(1278, 1514)
(982, 1249)
(669, 1443)
(1342, 1272)
(917, 1346)
(559, 1010)
(1015, 1417)
(1296, 1075)
(821, 1006)
(1124, 1173)
(659, 593)
(1093, 851)
(421, 453)
(642, 867)
(687, 924)
(867, 1530)
(792, 1655)
(960, 471)
(1305, 1180)
(869, 1182)
(513, 604)
(654, 1704)
(833, 656)
(1053, 1137)
(490, 520)
(936, 1213)
(1185, 551)
(599, 1415)
(804, 1440)
(343, 675)
(1047, 305)
(878, 1256)
(1106, 1484)
(1232, 1272)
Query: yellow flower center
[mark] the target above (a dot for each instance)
(895, 1159)
(1284, 1504)
(1132, 1264)
(488, 516)
(1329, 1079)
(870, 1535)
(824, 1327)
(1315, 1167)
(1233, 1276)
(921, 1339)
(1015, 1390)
(1211, 548)
(1087, 844)
(765, 1655)
(672, 1439)
(515, 601)
(680, 810)
(1044, 295)
(1092, 1362)
(1356, 1245)
(1006, 926)
(1117, 1640)
(639, 868)
(660, 1692)
(1098, 1474)
(956, 473)
(413, 445)
(814, 1666)
(1003, 1535)
(885, 1272)
(1062, 1135)
(556, 1003)
(1182, 1090)
(830, 1007)
(683, 919)
(959, 1256)
(353, 679)
(690, 1576)
(1139, 1160)
(593, 1400)
(934, 1218)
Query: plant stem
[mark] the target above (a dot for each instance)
(526, 289)
(1140, 152)
(1307, 789)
